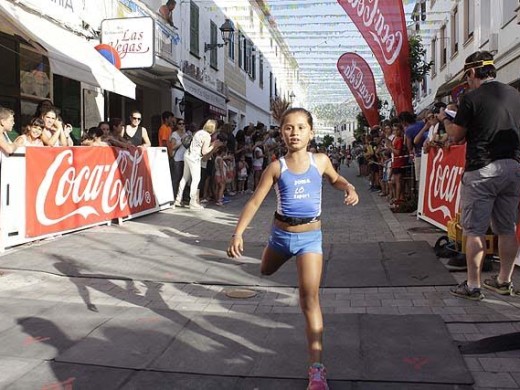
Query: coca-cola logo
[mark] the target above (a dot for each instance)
(444, 185)
(98, 189)
(368, 11)
(354, 75)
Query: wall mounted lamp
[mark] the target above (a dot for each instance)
(227, 30)
(182, 104)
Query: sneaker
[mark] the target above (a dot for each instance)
(178, 203)
(500, 288)
(196, 207)
(463, 291)
(317, 377)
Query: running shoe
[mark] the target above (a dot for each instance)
(317, 377)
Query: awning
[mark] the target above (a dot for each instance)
(446, 88)
(69, 55)
(203, 93)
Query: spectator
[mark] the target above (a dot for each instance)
(412, 127)
(43, 105)
(32, 135)
(166, 11)
(177, 155)
(114, 137)
(53, 133)
(489, 119)
(201, 146)
(165, 131)
(134, 132)
(6, 125)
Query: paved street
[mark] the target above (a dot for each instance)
(69, 321)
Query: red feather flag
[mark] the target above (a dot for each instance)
(360, 79)
(382, 24)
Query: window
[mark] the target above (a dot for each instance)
(231, 48)
(454, 31)
(240, 49)
(485, 20)
(245, 54)
(194, 29)
(252, 60)
(213, 59)
(271, 85)
(434, 56)
(261, 70)
(35, 75)
(469, 19)
(508, 11)
(443, 46)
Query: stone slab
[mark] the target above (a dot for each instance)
(385, 264)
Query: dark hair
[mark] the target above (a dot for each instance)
(39, 107)
(298, 110)
(222, 137)
(95, 132)
(135, 111)
(52, 109)
(407, 117)
(437, 107)
(166, 114)
(114, 122)
(485, 71)
(34, 122)
(103, 123)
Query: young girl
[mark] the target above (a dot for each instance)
(242, 173)
(32, 135)
(220, 176)
(296, 229)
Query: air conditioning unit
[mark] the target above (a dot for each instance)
(493, 43)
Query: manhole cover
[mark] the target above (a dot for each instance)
(240, 293)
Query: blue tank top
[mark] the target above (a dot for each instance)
(299, 195)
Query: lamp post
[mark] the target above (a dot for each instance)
(227, 30)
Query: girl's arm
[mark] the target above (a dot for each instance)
(236, 246)
(51, 141)
(336, 180)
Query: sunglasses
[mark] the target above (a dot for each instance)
(180, 123)
(136, 119)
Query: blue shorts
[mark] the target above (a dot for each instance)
(295, 244)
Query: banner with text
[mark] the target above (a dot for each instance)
(442, 182)
(360, 79)
(383, 26)
(67, 188)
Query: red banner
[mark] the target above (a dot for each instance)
(360, 79)
(382, 24)
(442, 183)
(72, 187)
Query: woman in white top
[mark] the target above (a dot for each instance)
(201, 145)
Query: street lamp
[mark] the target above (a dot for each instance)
(292, 96)
(227, 30)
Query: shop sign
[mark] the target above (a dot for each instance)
(68, 188)
(133, 38)
(203, 93)
(66, 11)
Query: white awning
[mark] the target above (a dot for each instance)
(69, 55)
(202, 92)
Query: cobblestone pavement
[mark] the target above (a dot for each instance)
(370, 221)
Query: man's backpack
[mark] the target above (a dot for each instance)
(186, 140)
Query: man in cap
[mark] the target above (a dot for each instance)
(489, 119)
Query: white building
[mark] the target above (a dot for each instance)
(452, 30)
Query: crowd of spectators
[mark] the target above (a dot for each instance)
(389, 155)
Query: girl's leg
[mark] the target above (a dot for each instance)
(272, 260)
(309, 278)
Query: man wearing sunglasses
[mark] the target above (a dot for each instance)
(134, 132)
(489, 119)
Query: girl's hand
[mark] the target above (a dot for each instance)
(351, 197)
(236, 246)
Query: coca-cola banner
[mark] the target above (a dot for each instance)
(360, 79)
(442, 179)
(72, 187)
(382, 24)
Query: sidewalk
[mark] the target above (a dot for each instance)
(99, 330)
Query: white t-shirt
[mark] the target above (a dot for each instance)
(200, 138)
(178, 154)
(258, 162)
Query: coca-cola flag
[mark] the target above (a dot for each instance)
(72, 187)
(444, 171)
(382, 24)
(360, 79)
